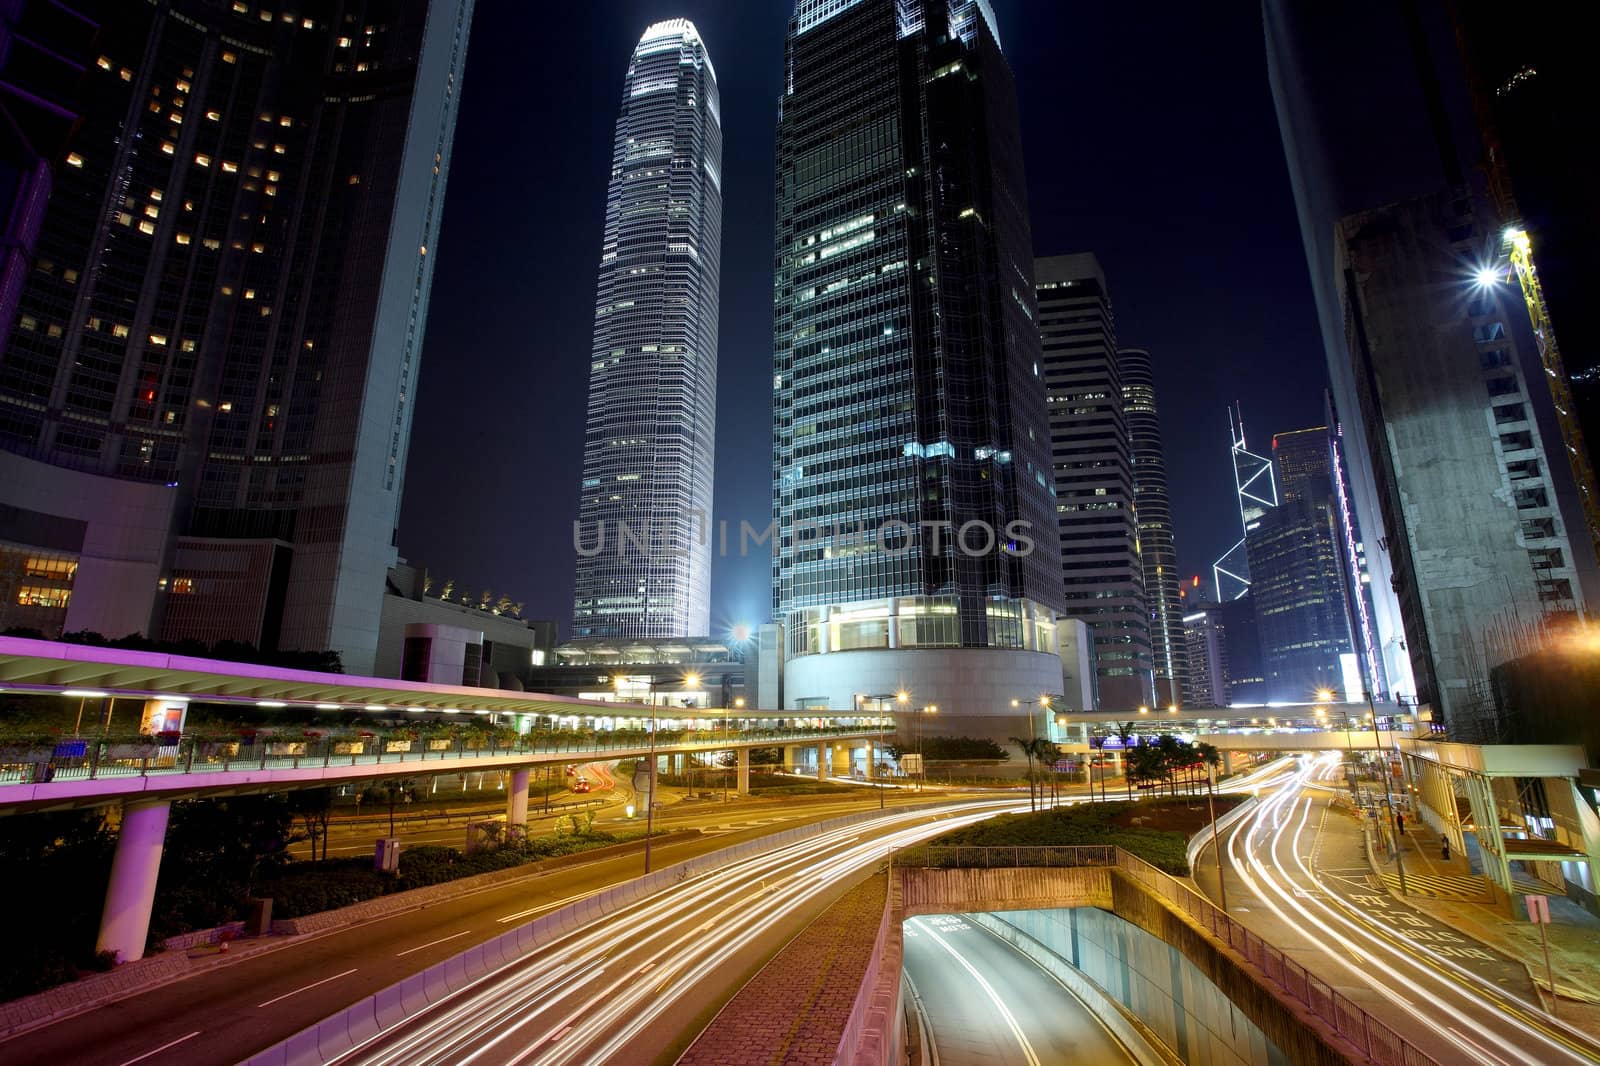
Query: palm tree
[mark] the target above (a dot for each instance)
(1027, 749)
(1049, 755)
(1125, 735)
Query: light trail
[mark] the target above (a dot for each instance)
(1506, 1027)
(584, 996)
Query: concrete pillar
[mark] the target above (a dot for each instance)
(872, 760)
(789, 760)
(1227, 762)
(517, 799)
(744, 772)
(894, 624)
(125, 922)
(824, 762)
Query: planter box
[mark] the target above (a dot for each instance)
(351, 747)
(295, 748)
(440, 745)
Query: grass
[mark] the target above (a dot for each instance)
(1156, 830)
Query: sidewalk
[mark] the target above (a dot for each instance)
(1574, 933)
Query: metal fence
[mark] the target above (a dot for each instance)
(1378, 1041)
(77, 758)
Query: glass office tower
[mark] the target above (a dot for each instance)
(916, 547)
(644, 545)
(207, 390)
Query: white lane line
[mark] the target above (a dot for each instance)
(988, 990)
(432, 943)
(302, 988)
(1476, 1046)
(163, 1047)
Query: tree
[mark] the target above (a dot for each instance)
(1027, 749)
(1125, 736)
(1049, 755)
(314, 807)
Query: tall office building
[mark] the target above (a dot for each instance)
(644, 512)
(1158, 552)
(916, 542)
(1206, 683)
(1431, 348)
(1093, 472)
(206, 395)
(1297, 577)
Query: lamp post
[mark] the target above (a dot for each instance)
(650, 778)
(739, 703)
(877, 755)
(1388, 794)
(1033, 737)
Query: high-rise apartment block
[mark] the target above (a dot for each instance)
(207, 390)
(911, 487)
(1158, 552)
(644, 514)
(1092, 464)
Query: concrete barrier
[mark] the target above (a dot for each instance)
(1202, 840)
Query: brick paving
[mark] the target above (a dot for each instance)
(794, 1011)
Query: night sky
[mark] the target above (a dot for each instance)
(1150, 140)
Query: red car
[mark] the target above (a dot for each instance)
(581, 785)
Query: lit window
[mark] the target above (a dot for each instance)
(103, 63)
(156, 195)
(258, 248)
(230, 168)
(158, 339)
(278, 148)
(187, 345)
(28, 322)
(249, 294)
(214, 116)
(286, 121)
(125, 74)
(52, 330)
(74, 159)
(119, 330)
(168, 148)
(202, 160)
(181, 238)
(212, 244)
(146, 226)
(229, 57)
(152, 211)
(240, 8)
(183, 86)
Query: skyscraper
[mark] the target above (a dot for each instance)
(1297, 577)
(916, 545)
(206, 396)
(1158, 553)
(1092, 460)
(649, 438)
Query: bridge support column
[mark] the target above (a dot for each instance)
(824, 762)
(790, 762)
(125, 921)
(1227, 762)
(517, 800)
(744, 771)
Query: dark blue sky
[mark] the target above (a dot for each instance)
(1149, 140)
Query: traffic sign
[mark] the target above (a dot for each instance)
(1538, 909)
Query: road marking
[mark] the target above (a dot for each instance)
(551, 1038)
(431, 943)
(302, 988)
(1476, 1046)
(994, 997)
(163, 1047)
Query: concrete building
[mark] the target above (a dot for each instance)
(1447, 402)
(644, 511)
(1092, 463)
(667, 672)
(1478, 540)
(509, 648)
(916, 545)
(1158, 551)
(1207, 680)
(206, 389)
(1297, 579)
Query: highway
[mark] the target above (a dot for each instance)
(630, 989)
(226, 1014)
(1297, 876)
(980, 1002)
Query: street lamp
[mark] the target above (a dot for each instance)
(1388, 793)
(932, 708)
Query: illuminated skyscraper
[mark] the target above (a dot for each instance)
(1158, 554)
(916, 536)
(1092, 460)
(207, 390)
(648, 449)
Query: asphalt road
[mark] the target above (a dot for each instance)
(228, 1013)
(984, 1003)
(1294, 875)
(626, 989)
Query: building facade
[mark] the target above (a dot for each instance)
(1158, 552)
(1206, 683)
(644, 512)
(1092, 470)
(912, 502)
(1297, 577)
(206, 395)
(1479, 544)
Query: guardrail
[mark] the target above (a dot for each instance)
(77, 758)
(1372, 1037)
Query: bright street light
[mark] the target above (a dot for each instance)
(1487, 277)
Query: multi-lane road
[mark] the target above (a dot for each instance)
(229, 1013)
(630, 988)
(1298, 876)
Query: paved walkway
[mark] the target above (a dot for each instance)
(794, 1011)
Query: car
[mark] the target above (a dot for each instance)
(581, 785)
